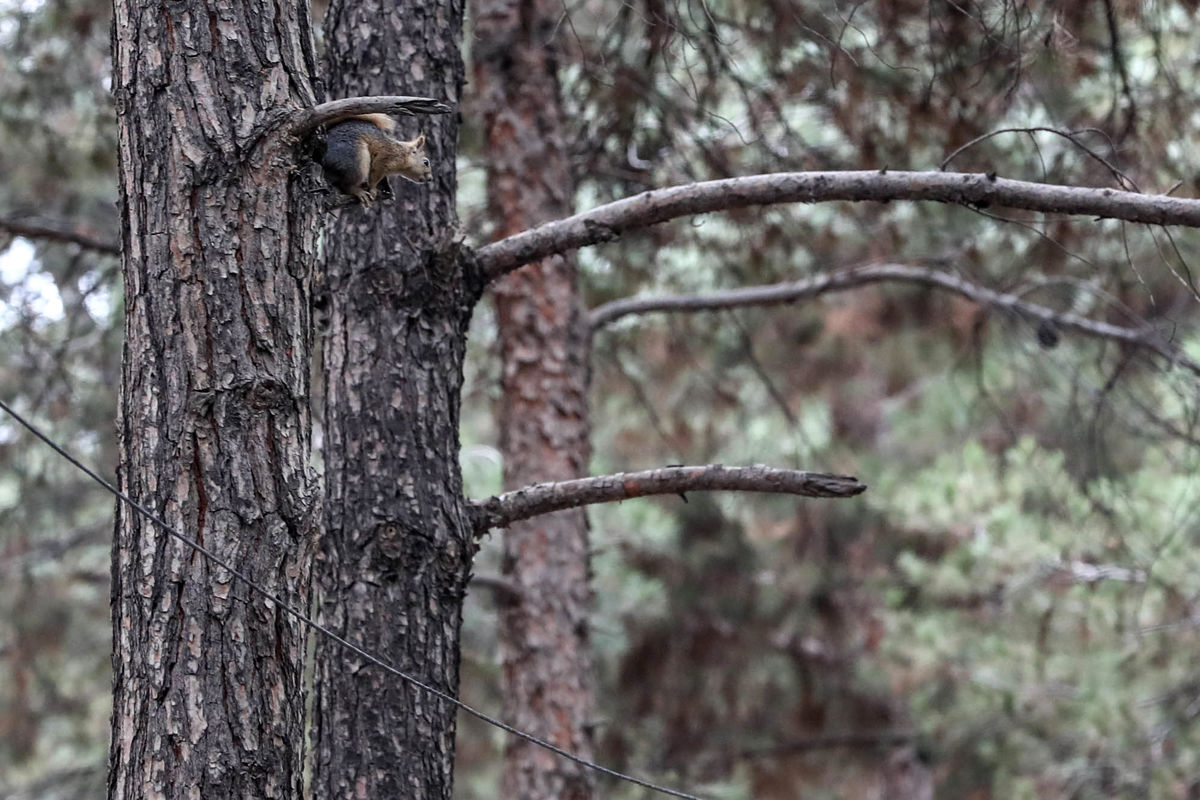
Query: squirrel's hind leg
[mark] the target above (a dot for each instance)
(362, 189)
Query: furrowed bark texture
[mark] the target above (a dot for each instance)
(218, 242)
(543, 635)
(397, 545)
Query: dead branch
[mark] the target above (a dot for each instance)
(56, 231)
(1123, 180)
(306, 121)
(1145, 338)
(503, 590)
(544, 498)
(607, 222)
(829, 741)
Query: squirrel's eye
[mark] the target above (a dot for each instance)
(425, 162)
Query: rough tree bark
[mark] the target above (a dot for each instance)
(394, 564)
(218, 241)
(543, 338)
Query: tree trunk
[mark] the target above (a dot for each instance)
(544, 413)
(398, 542)
(218, 243)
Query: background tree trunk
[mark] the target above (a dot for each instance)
(218, 242)
(398, 540)
(543, 421)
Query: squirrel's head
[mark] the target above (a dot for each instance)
(421, 158)
(410, 160)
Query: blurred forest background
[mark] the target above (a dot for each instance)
(1010, 611)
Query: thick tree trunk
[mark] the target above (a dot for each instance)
(544, 413)
(398, 541)
(218, 242)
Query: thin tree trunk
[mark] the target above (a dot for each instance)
(544, 413)
(398, 539)
(218, 242)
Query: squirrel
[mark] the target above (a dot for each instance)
(361, 151)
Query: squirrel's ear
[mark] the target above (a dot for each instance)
(419, 142)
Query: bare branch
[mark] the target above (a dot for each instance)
(1123, 180)
(543, 498)
(54, 231)
(308, 120)
(503, 590)
(607, 222)
(779, 293)
(54, 549)
(829, 741)
(1083, 572)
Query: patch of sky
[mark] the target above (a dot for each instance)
(30, 289)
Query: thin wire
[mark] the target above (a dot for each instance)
(321, 629)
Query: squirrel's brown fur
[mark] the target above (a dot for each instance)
(361, 151)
